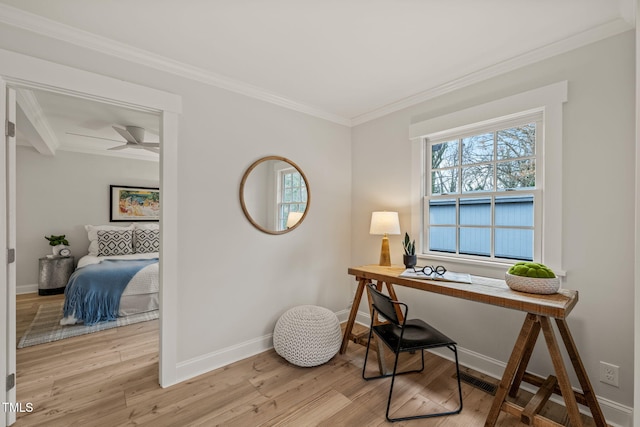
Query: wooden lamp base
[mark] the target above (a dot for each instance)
(385, 255)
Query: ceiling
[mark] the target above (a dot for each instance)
(343, 60)
(50, 121)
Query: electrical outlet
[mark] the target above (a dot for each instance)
(609, 374)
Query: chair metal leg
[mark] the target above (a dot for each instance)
(438, 414)
(455, 353)
(393, 379)
(366, 355)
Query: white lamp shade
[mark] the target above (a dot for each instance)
(384, 223)
(293, 218)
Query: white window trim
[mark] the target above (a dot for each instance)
(549, 100)
(279, 188)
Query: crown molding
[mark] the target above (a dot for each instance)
(581, 39)
(49, 28)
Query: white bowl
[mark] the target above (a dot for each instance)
(532, 285)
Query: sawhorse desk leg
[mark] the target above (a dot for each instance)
(515, 373)
(581, 373)
(352, 314)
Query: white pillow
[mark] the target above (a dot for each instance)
(92, 234)
(147, 226)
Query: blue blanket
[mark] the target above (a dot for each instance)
(93, 292)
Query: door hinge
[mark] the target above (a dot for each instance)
(10, 129)
(11, 256)
(11, 381)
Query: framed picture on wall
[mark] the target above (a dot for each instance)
(134, 203)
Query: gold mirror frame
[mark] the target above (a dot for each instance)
(242, 191)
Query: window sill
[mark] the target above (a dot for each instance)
(477, 267)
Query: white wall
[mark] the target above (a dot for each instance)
(598, 206)
(233, 280)
(60, 194)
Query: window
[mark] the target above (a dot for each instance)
(292, 195)
(487, 182)
(471, 179)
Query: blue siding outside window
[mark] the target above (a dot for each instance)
(442, 239)
(513, 226)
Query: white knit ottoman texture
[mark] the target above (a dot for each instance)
(307, 335)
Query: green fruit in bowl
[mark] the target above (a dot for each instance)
(531, 269)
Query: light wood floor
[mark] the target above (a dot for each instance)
(110, 378)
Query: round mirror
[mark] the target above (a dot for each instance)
(274, 194)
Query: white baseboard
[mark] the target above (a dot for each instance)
(26, 289)
(208, 362)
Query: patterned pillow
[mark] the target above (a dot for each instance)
(115, 243)
(92, 234)
(147, 241)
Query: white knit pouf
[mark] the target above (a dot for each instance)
(307, 335)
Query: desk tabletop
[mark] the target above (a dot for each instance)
(482, 289)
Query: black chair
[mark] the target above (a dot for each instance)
(405, 336)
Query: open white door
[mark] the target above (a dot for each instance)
(7, 256)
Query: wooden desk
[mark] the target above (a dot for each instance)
(539, 308)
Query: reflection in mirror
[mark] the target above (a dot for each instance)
(274, 194)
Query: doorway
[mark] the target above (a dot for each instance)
(24, 72)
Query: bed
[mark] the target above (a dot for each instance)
(119, 277)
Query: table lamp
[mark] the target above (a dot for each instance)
(293, 218)
(385, 223)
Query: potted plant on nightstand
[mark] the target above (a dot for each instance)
(59, 243)
(410, 259)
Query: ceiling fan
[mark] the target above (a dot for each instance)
(134, 136)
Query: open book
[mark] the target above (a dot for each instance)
(448, 276)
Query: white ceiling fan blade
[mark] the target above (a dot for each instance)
(125, 134)
(149, 144)
(136, 145)
(94, 137)
(119, 147)
(136, 132)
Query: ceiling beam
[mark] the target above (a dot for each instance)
(36, 127)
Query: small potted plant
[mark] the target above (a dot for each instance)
(58, 243)
(532, 277)
(410, 259)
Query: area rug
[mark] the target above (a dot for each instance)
(46, 325)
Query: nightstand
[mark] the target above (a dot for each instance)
(54, 274)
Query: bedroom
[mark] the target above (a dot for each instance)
(77, 176)
(222, 133)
